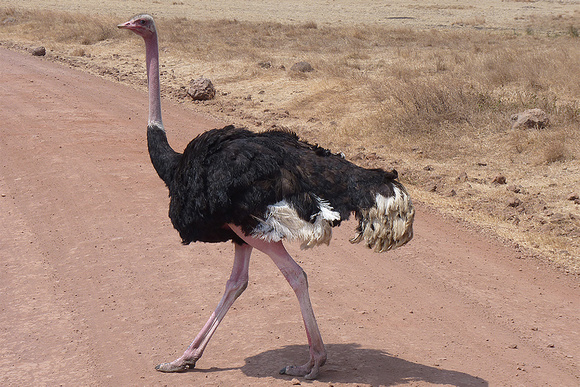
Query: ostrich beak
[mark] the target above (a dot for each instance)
(124, 25)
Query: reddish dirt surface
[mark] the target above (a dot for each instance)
(95, 288)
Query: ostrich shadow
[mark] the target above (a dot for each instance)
(349, 363)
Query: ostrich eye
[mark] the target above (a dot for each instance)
(142, 22)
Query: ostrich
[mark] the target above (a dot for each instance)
(257, 189)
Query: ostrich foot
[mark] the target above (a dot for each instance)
(310, 370)
(175, 366)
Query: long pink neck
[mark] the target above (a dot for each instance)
(164, 159)
(152, 60)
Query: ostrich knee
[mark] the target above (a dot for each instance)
(235, 287)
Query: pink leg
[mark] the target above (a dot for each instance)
(234, 287)
(297, 280)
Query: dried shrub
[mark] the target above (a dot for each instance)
(554, 151)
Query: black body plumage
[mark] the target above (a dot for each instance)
(232, 175)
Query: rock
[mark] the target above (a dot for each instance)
(557, 218)
(573, 197)
(530, 119)
(38, 51)
(514, 188)
(462, 177)
(499, 179)
(201, 89)
(431, 187)
(265, 65)
(514, 202)
(303, 67)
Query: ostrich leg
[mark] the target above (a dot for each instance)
(296, 277)
(234, 287)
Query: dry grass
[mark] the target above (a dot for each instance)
(414, 98)
(63, 27)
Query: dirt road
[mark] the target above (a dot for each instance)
(95, 288)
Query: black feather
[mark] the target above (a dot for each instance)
(232, 175)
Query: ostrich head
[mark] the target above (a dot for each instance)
(142, 25)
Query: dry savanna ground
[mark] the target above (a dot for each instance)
(427, 88)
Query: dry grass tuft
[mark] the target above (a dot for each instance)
(64, 27)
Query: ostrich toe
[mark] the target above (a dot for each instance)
(171, 367)
(310, 370)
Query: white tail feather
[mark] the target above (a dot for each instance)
(282, 222)
(388, 224)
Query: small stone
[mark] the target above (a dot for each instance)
(39, 51)
(201, 89)
(431, 187)
(513, 346)
(573, 197)
(499, 179)
(265, 64)
(530, 119)
(557, 217)
(551, 345)
(303, 67)
(462, 177)
(295, 382)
